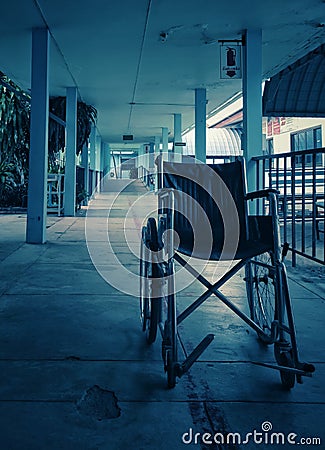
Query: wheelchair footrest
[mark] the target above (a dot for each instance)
(306, 367)
(196, 353)
(298, 371)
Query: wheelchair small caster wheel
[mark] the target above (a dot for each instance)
(285, 359)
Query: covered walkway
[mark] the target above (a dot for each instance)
(76, 372)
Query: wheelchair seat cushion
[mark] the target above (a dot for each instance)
(260, 240)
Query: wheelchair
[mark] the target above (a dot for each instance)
(203, 215)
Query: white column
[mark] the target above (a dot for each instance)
(146, 149)
(164, 132)
(120, 165)
(105, 164)
(85, 165)
(102, 157)
(178, 150)
(140, 155)
(200, 124)
(252, 101)
(157, 145)
(106, 158)
(98, 151)
(151, 156)
(92, 157)
(152, 169)
(70, 161)
(98, 159)
(92, 148)
(38, 156)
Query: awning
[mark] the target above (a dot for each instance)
(298, 90)
(220, 142)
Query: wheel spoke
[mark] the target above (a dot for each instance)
(261, 293)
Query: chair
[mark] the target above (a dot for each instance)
(203, 216)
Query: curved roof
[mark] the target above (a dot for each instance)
(298, 90)
(219, 141)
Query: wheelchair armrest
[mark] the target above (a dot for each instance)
(260, 194)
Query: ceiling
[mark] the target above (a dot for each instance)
(298, 90)
(139, 61)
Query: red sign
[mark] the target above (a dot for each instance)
(276, 125)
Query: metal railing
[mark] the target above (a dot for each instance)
(300, 179)
(146, 176)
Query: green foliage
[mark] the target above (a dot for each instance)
(86, 116)
(15, 137)
(14, 143)
(6, 176)
(11, 194)
(14, 130)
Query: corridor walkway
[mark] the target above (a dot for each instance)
(76, 372)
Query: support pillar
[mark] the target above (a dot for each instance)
(92, 158)
(178, 150)
(252, 101)
(38, 157)
(119, 165)
(151, 166)
(106, 164)
(157, 145)
(157, 153)
(98, 148)
(106, 158)
(85, 165)
(200, 124)
(146, 151)
(70, 161)
(140, 161)
(151, 156)
(164, 132)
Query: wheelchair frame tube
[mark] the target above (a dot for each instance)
(292, 327)
(283, 300)
(213, 290)
(275, 224)
(203, 297)
(278, 264)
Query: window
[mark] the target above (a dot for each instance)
(269, 151)
(307, 140)
(269, 146)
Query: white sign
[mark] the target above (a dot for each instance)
(230, 61)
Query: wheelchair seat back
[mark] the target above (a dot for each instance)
(210, 216)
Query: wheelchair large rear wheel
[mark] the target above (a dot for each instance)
(261, 293)
(262, 290)
(150, 304)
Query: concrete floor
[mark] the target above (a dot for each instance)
(76, 372)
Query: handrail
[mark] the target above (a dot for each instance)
(300, 177)
(289, 154)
